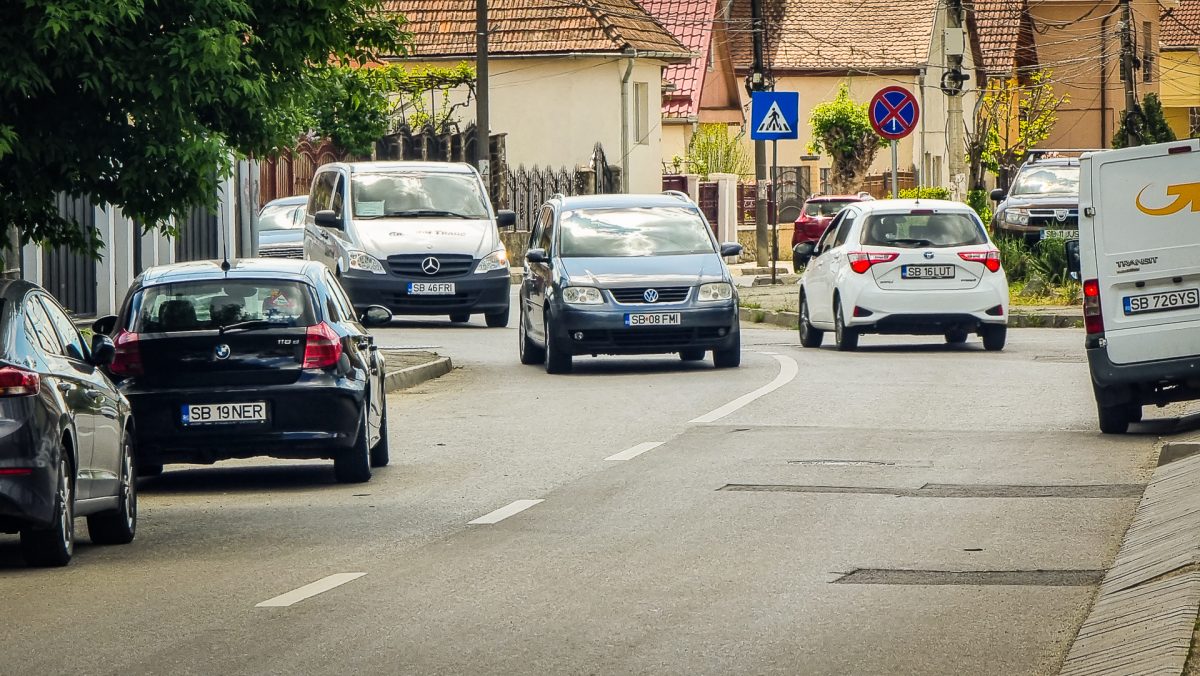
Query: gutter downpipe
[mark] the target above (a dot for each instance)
(630, 55)
(1104, 77)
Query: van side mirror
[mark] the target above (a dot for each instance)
(998, 195)
(731, 249)
(103, 350)
(104, 325)
(804, 251)
(506, 218)
(1073, 264)
(537, 256)
(327, 219)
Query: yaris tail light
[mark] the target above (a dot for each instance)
(861, 261)
(127, 360)
(15, 382)
(1093, 320)
(990, 259)
(322, 347)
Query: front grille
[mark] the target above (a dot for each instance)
(648, 337)
(281, 252)
(399, 302)
(1048, 218)
(412, 265)
(637, 295)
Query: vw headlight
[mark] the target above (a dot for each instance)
(497, 260)
(1016, 216)
(361, 260)
(716, 291)
(582, 295)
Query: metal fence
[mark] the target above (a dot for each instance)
(291, 172)
(526, 190)
(199, 237)
(68, 274)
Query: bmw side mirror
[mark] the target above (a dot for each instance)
(998, 195)
(327, 219)
(537, 256)
(103, 350)
(1073, 264)
(104, 325)
(376, 315)
(506, 218)
(731, 249)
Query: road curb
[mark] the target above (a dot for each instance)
(415, 375)
(1146, 608)
(1016, 320)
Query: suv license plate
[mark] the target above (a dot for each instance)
(927, 272)
(431, 288)
(1060, 234)
(224, 414)
(1161, 302)
(662, 319)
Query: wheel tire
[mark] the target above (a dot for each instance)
(993, 337)
(809, 337)
(956, 336)
(1113, 419)
(797, 266)
(529, 351)
(118, 527)
(731, 357)
(1135, 412)
(692, 355)
(460, 317)
(54, 545)
(379, 452)
(144, 471)
(846, 337)
(497, 320)
(353, 466)
(557, 361)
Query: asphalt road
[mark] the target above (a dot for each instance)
(679, 555)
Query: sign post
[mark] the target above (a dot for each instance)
(894, 113)
(774, 116)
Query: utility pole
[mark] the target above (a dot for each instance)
(483, 135)
(757, 84)
(1132, 116)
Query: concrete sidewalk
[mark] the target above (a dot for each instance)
(409, 368)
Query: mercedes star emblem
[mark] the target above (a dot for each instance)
(222, 351)
(431, 265)
(651, 296)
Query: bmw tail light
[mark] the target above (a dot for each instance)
(990, 259)
(127, 359)
(861, 261)
(15, 382)
(1093, 320)
(322, 347)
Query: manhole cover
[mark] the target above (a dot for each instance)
(957, 490)
(1023, 578)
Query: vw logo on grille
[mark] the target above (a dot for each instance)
(1061, 214)
(431, 265)
(222, 352)
(929, 255)
(651, 296)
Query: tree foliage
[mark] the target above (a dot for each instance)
(1148, 121)
(1011, 118)
(139, 104)
(713, 150)
(842, 129)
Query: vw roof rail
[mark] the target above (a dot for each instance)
(678, 193)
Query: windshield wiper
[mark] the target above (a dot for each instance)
(914, 242)
(252, 325)
(425, 213)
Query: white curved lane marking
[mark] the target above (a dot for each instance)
(788, 369)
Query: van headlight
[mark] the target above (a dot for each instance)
(497, 260)
(1016, 216)
(582, 295)
(361, 260)
(715, 291)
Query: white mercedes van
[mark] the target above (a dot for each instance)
(416, 237)
(1139, 258)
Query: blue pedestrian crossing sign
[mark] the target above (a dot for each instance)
(774, 116)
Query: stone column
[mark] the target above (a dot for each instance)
(726, 206)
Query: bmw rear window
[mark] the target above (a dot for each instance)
(924, 231)
(211, 304)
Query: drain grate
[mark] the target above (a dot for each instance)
(958, 490)
(842, 463)
(1018, 578)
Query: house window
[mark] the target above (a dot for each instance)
(1194, 122)
(641, 108)
(825, 181)
(1147, 54)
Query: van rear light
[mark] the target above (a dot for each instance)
(127, 358)
(1093, 320)
(15, 382)
(990, 259)
(861, 261)
(322, 347)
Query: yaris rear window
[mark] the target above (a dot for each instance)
(212, 304)
(923, 230)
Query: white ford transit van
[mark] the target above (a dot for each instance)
(1139, 258)
(414, 237)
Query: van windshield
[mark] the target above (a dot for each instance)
(418, 195)
(1047, 181)
(662, 231)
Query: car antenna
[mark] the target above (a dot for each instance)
(225, 250)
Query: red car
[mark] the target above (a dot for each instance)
(816, 214)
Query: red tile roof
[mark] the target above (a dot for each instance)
(998, 27)
(522, 27)
(1180, 27)
(822, 35)
(691, 22)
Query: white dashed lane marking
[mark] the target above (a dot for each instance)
(503, 513)
(630, 453)
(309, 590)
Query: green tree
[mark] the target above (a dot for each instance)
(996, 143)
(712, 150)
(140, 104)
(1148, 121)
(842, 129)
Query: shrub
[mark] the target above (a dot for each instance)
(925, 193)
(981, 202)
(1014, 256)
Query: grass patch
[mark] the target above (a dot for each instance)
(758, 316)
(1033, 292)
(751, 306)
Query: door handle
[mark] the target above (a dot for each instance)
(64, 387)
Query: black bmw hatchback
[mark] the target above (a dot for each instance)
(265, 358)
(66, 433)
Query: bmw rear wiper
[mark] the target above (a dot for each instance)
(419, 213)
(252, 325)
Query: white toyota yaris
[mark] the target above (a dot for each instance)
(918, 267)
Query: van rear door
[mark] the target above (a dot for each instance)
(1147, 243)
